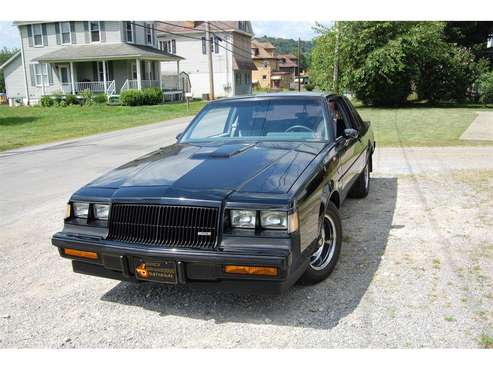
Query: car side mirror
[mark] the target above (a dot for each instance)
(179, 136)
(351, 133)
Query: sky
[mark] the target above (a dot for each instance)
(9, 36)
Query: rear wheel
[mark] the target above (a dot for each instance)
(361, 187)
(324, 259)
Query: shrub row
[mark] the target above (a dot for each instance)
(151, 96)
(60, 100)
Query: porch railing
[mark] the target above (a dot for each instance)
(169, 83)
(93, 86)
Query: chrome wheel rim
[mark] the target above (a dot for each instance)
(327, 243)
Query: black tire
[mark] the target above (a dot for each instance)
(361, 186)
(324, 260)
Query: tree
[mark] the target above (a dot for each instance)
(5, 54)
(383, 62)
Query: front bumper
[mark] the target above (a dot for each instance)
(197, 267)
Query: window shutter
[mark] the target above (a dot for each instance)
(72, 32)
(173, 46)
(102, 31)
(33, 79)
(45, 35)
(124, 33)
(30, 34)
(49, 67)
(86, 32)
(57, 31)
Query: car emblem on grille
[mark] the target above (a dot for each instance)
(204, 233)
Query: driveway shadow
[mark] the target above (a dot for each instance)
(366, 225)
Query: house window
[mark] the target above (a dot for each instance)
(204, 46)
(264, 77)
(148, 70)
(238, 78)
(38, 34)
(216, 44)
(242, 25)
(65, 32)
(95, 30)
(265, 64)
(134, 71)
(41, 74)
(173, 46)
(101, 71)
(148, 32)
(129, 29)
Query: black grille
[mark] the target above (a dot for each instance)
(164, 225)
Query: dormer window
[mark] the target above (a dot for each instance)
(95, 31)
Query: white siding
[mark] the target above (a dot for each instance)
(14, 79)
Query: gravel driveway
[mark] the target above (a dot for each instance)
(416, 268)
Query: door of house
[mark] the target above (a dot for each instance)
(64, 72)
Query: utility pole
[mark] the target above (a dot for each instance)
(299, 62)
(209, 58)
(336, 61)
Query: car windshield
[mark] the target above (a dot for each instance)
(291, 119)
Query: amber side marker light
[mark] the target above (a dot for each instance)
(251, 270)
(83, 254)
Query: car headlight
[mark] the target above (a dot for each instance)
(243, 218)
(101, 211)
(274, 220)
(81, 210)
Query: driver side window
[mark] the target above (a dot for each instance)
(340, 117)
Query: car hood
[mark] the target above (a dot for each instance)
(263, 167)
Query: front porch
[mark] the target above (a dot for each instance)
(69, 71)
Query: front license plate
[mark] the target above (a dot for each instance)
(162, 271)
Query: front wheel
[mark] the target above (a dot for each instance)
(324, 259)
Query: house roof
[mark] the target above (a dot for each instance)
(10, 60)
(121, 50)
(265, 50)
(243, 64)
(200, 26)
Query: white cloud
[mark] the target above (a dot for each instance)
(287, 29)
(9, 35)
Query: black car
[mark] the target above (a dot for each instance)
(247, 198)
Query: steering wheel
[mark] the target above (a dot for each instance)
(296, 127)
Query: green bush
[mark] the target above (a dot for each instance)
(152, 96)
(71, 99)
(87, 97)
(131, 97)
(62, 103)
(485, 88)
(46, 101)
(309, 87)
(100, 98)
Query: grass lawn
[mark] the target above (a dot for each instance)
(22, 126)
(421, 125)
(409, 126)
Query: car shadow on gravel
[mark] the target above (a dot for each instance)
(366, 225)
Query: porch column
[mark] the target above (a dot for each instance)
(105, 79)
(139, 77)
(72, 76)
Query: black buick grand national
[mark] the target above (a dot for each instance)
(247, 198)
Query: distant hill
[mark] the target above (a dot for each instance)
(285, 46)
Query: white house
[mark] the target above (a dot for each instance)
(231, 60)
(73, 56)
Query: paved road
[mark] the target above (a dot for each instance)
(35, 176)
(416, 268)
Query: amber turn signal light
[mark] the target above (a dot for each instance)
(251, 270)
(142, 271)
(83, 254)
